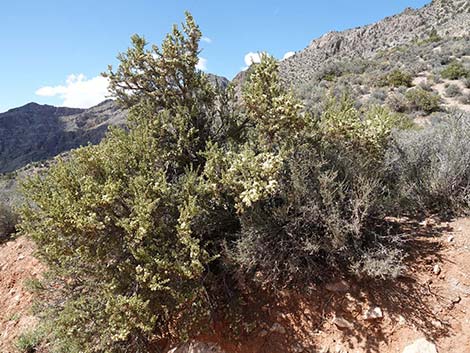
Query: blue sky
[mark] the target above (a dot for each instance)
(54, 50)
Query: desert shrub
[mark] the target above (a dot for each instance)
(330, 71)
(29, 341)
(8, 221)
(465, 99)
(379, 95)
(426, 86)
(128, 228)
(330, 187)
(312, 95)
(132, 229)
(444, 59)
(141, 231)
(454, 71)
(397, 102)
(430, 168)
(435, 78)
(398, 78)
(384, 261)
(466, 82)
(419, 99)
(314, 223)
(452, 90)
(433, 36)
(367, 131)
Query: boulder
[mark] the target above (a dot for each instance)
(421, 345)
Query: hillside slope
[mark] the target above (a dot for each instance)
(37, 132)
(446, 17)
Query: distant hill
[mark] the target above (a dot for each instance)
(37, 132)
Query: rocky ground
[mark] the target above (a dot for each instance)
(427, 310)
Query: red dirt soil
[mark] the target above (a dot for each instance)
(16, 266)
(432, 300)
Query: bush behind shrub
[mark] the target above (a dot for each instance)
(454, 71)
(419, 99)
(330, 188)
(8, 221)
(430, 168)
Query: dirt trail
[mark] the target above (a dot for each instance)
(17, 265)
(432, 301)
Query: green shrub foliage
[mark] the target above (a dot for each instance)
(139, 230)
(419, 99)
(454, 71)
(128, 227)
(398, 78)
(330, 186)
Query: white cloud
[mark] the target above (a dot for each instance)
(202, 64)
(78, 91)
(207, 40)
(252, 58)
(288, 55)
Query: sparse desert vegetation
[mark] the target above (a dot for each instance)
(305, 195)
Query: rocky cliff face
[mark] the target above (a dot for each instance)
(446, 17)
(36, 132)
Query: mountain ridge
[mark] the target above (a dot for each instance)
(35, 132)
(444, 17)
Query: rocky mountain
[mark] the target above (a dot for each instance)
(37, 132)
(218, 81)
(442, 17)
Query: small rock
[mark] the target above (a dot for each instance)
(263, 333)
(428, 223)
(421, 346)
(436, 269)
(437, 324)
(373, 314)
(342, 323)
(456, 299)
(278, 328)
(450, 239)
(20, 257)
(340, 286)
